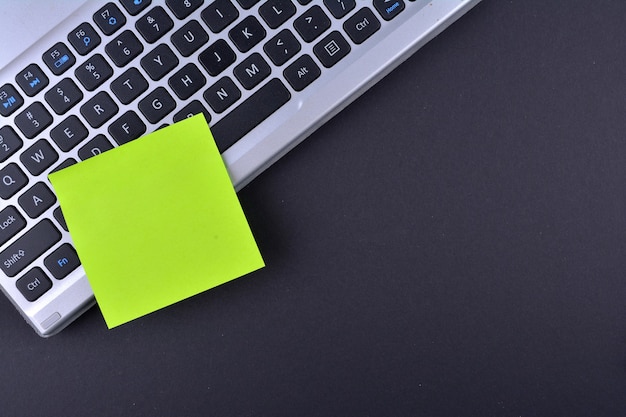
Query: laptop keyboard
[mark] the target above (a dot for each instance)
(133, 66)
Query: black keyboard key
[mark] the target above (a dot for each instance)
(282, 47)
(10, 142)
(128, 127)
(312, 23)
(134, 7)
(84, 38)
(252, 71)
(247, 33)
(109, 18)
(304, 2)
(33, 120)
(28, 247)
(154, 24)
(93, 72)
(331, 49)
(58, 216)
(219, 14)
(190, 38)
(277, 12)
(191, 109)
(223, 94)
(389, 9)
(94, 147)
(128, 86)
(68, 162)
(302, 72)
(340, 8)
(124, 48)
(39, 157)
(11, 222)
(186, 81)
(159, 62)
(10, 100)
(36, 200)
(183, 8)
(99, 109)
(58, 58)
(63, 96)
(69, 133)
(250, 113)
(361, 25)
(12, 179)
(246, 4)
(217, 57)
(62, 261)
(33, 284)
(32, 80)
(156, 105)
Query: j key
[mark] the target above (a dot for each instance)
(10, 100)
(124, 48)
(191, 109)
(246, 4)
(11, 222)
(33, 284)
(69, 133)
(183, 8)
(312, 23)
(302, 72)
(93, 72)
(331, 49)
(156, 105)
(154, 24)
(134, 7)
(10, 142)
(94, 147)
(219, 14)
(36, 200)
(159, 62)
(99, 109)
(33, 120)
(62, 261)
(223, 94)
(340, 8)
(389, 9)
(247, 33)
(39, 157)
(252, 71)
(282, 47)
(128, 127)
(12, 179)
(189, 38)
(84, 38)
(63, 96)
(58, 58)
(28, 247)
(109, 18)
(32, 80)
(128, 86)
(186, 81)
(217, 57)
(361, 25)
(277, 12)
(250, 113)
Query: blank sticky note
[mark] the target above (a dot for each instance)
(156, 221)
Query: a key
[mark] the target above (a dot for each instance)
(331, 49)
(183, 8)
(191, 109)
(277, 12)
(134, 7)
(340, 8)
(223, 94)
(94, 147)
(282, 47)
(36, 200)
(389, 9)
(28, 247)
(302, 72)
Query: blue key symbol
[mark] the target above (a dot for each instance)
(62, 262)
(112, 21)
(86, 40)
(138, 2)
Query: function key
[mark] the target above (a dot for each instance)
(154, 24)
(10, 100)
(9, 142)
(63, 96)
(33, 284)
(32, 80)
(183, 8)
(124, 48)
(133, 7)
(219, 14)
(277, 12)
(84, 38)
(389, 9)
(340, 8)
(361, 25)
(109, 18)
(58, 58)
(312, 23)
(93, 72)
(12, 179)
(33, 120)
(302, 72)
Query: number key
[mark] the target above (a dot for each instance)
(154, 24)
(63, 96)
(124, 48)
(33, 120)
(9, 142)
(183, 8)
(94, 72)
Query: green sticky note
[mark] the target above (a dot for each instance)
(156, 220)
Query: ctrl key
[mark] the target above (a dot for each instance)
(33, 284)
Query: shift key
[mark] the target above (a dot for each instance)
(11, 222)
(19, 254)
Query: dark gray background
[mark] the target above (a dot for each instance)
(451, 244)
